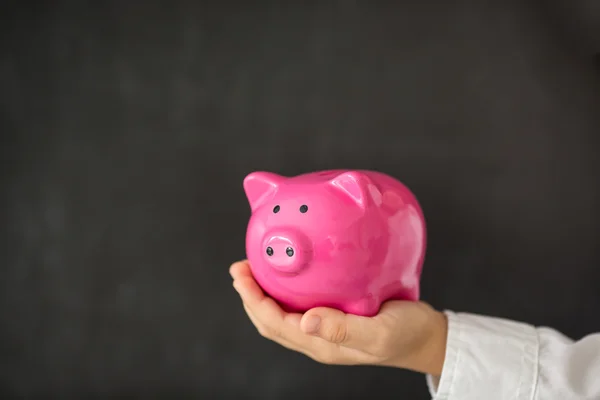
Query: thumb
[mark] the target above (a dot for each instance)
(337, 327)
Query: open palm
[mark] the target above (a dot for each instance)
(403, 334)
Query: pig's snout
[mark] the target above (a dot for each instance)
(287, 251)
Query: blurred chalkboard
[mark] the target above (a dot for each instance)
(127, 129)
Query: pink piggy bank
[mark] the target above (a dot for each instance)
(343, 239)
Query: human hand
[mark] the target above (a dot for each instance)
(404, 334)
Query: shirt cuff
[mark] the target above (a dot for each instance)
(487, 358)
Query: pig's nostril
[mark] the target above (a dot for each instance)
(269, 251)
(289, 251)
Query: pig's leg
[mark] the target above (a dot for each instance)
(366, 307)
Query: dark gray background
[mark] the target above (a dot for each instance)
(127, 129)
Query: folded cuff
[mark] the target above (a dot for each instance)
(487, 358)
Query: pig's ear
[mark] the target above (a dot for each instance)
(356, 186)
(260, 186)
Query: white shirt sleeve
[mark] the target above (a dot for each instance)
(496, 359)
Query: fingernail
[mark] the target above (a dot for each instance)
(312, 324)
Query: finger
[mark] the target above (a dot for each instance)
(252, 294)
(248, 288)
(268, 315)
(266, 310)
(311, 346)
(318, 349)
(262, 328)
(239, 269)
(343, 329)
(265, 332)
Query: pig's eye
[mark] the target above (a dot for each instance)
(303, 208)
(276, 209)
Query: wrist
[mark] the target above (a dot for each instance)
(433, 353)
(429, 355)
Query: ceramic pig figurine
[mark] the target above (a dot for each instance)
(343, 239)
